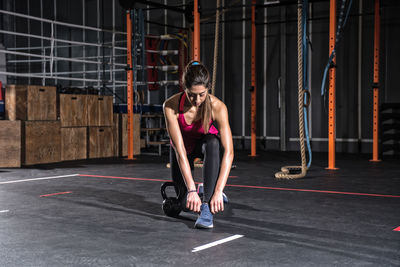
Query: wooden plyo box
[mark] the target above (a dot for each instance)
(73, 143)
(73, 110)
(116, 135)
(120, 134)
(100, 110)
(31, 102)
(101, 142)
(41, 142)
(124, 134)
(10, 144)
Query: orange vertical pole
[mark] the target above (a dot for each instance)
(129, 78)
(253, 79)
(332, 88)
(196, 33)
(376, 85)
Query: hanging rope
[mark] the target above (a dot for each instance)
(233, 3)
(286, 170)
(214, 76)
(341, 24)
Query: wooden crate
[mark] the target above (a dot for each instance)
(116, 135)
(73, 110)
(73, 143)
(31, 102)
(124, 134)
(100, 110)
(101, 142)
(105, 104)
(10, 144)
(92, 111)
(41, 142)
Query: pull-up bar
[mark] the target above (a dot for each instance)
(129, 4)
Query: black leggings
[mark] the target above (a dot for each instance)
(207, 148)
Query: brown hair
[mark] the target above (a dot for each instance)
(197, 74)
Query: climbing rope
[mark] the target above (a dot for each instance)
(214, 76)
(224, 10)
(285, 172)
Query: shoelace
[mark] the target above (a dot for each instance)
(206, 210)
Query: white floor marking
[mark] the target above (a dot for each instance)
(4, 211)
(209, 245)
(36, 179)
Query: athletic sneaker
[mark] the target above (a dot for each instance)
(200, 192)
(205, 219)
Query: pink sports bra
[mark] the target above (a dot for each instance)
(192, 133)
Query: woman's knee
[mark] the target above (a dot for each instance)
(211, 143)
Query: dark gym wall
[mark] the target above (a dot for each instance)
(280, 58)
(390, 63)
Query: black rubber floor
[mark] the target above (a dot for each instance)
(110, 215)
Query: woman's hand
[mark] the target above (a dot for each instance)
(193, 202)
(217, 203)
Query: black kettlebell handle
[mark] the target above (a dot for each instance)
(165, 185)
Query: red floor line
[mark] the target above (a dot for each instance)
(315, 191)
(397, 229)
(61, 193)
(253, 186)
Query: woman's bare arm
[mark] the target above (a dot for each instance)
(171, 120)
(221, 117)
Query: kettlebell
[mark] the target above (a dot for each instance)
(171, 205)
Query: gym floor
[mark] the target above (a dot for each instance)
(108, 213)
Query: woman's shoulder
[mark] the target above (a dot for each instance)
(216, 103)
(172, 102)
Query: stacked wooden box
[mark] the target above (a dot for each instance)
(74, 121)
(86, 127)
(108, 132)
(100, 122)
(32, 114)
(120, 134)
(10, 144)
(86, 122)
